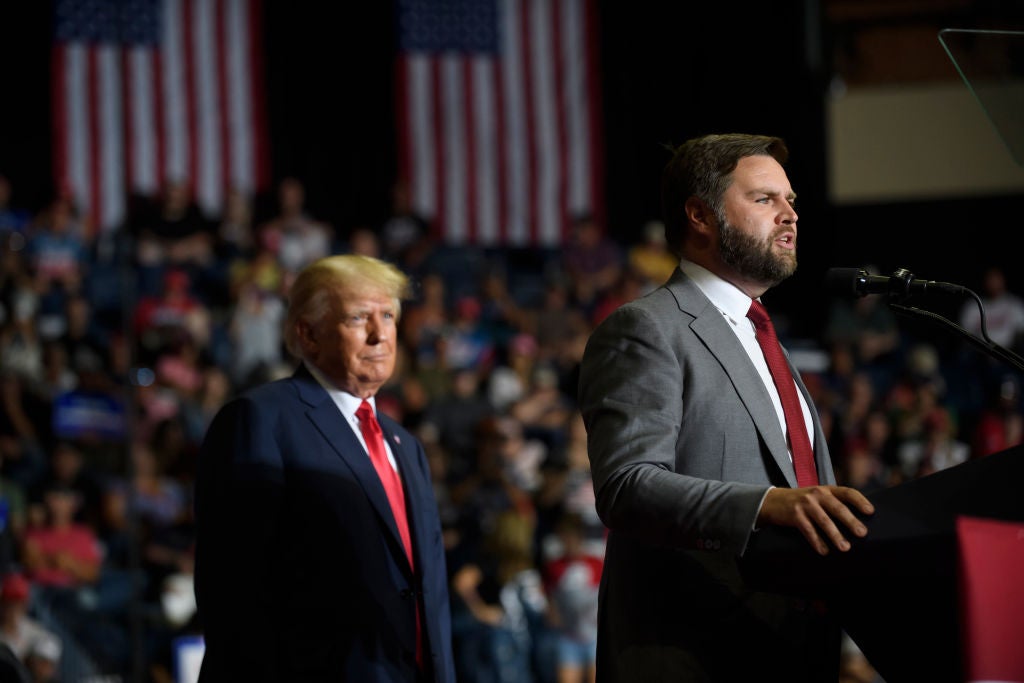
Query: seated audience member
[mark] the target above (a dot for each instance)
(18, 629)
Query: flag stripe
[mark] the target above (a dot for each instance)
(561, 104)
(95, 155)
(577, 133)
(438, 143)
(453, 93)
(59, 87)
(514, 93)
(485, 204)
(190, 122)
(208, 129)
(502, 175)
(223, 113)
(257, 141)
(496, 152)
(592, 97)
(472, 115)
(160, 119)
(529, 94)
(146, 91)
(547, 169)
(110, 127)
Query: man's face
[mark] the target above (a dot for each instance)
(354, 345)
(757, 228)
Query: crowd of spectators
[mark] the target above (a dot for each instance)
(116, 349)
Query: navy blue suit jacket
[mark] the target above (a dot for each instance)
(300, 572)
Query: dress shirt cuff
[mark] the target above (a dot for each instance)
(753, 526)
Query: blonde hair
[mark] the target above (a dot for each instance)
(309, 297)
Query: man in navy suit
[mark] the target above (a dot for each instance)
(303, 570)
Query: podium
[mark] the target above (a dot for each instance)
(991, 598)
(909, 593)
(896, 591)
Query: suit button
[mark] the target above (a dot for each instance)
(406, 593)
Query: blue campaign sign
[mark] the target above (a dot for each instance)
(89, 414)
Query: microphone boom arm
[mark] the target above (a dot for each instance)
(993, 349)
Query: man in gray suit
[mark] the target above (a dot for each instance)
(688, 442)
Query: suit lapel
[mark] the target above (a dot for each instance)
(330, 423)
(712, 329)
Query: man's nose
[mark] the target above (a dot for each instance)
(375, 329)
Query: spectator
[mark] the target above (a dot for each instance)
(59, 552)
(1004, 311)
(12, 669)
(235, 233)
(67, 468)
(174, 233)
(256, 332)
(571, 581)
(364, 242)
(629, 286)
(234, 241)
(544, 410)
(936, 449)
(58, 260)
(557, 321)
(499, 607)
(454, 419)
(568, 486)
(12, 218)
(405, 236)
(215, 389)
(868, 327)
(18, 629)
(592, 261)
(43, 660)
(467, 342)
(650, 259)
(84, 340)
(1001, 424)
(424, 320)
(292, 233)
(501, 316)
(508, 382)
(163, 319)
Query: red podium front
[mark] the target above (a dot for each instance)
(991, 573)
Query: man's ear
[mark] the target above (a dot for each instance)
(700, 216)
(306, 334)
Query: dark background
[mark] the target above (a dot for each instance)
(669, 71)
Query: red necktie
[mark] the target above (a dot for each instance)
(374, 438)
(799, 444)
(388, 476)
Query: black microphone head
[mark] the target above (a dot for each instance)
(846, 281)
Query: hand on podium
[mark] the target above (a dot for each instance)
(814, 511)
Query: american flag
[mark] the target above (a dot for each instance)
(150, 91)
(499, 133)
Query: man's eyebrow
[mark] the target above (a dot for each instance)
(791, 195)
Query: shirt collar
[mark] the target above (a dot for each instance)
(348, 403)
(727, 297)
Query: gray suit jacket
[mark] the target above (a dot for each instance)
(684, 443)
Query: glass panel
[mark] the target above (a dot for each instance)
(992, 65)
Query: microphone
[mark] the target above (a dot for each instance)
(858, 282)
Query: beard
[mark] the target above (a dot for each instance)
(751, 258)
